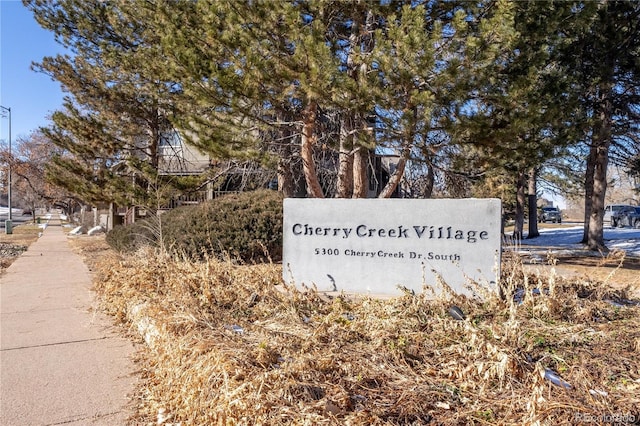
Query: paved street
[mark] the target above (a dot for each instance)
(61, 361)
(16, 219)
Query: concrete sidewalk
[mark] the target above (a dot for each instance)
(61, 361)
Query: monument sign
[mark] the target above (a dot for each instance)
(380, 246)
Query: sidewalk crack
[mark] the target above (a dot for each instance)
(84, 417)
(56, 344)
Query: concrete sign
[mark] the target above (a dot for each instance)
(380, 246)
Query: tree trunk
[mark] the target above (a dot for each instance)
(601, 143)
(354, 160)
(588, 191)
(397, 175)
(360, 178)
(314, 190)
(285, 171)
(595, 236)
(345, 161)
(518, 228)
(533, 204)
(285, 178)
(429, 181)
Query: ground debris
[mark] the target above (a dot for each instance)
(9, 253)
(12, 250)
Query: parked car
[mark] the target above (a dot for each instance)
(550, 214)
(628, 216)
(612, 209)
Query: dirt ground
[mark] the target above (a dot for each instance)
(617, 271)
(613, 270)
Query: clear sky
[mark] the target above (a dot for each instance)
(31, 96)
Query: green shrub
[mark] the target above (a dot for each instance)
(126, 239)
(119, 238)
(245, 226)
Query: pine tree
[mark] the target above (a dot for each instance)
(603, 57)
(116, 112)
(517, 116)
(246, 67)
(384, 70)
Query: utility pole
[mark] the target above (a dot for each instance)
(8, 225)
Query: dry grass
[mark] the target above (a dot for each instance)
(229, 345)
